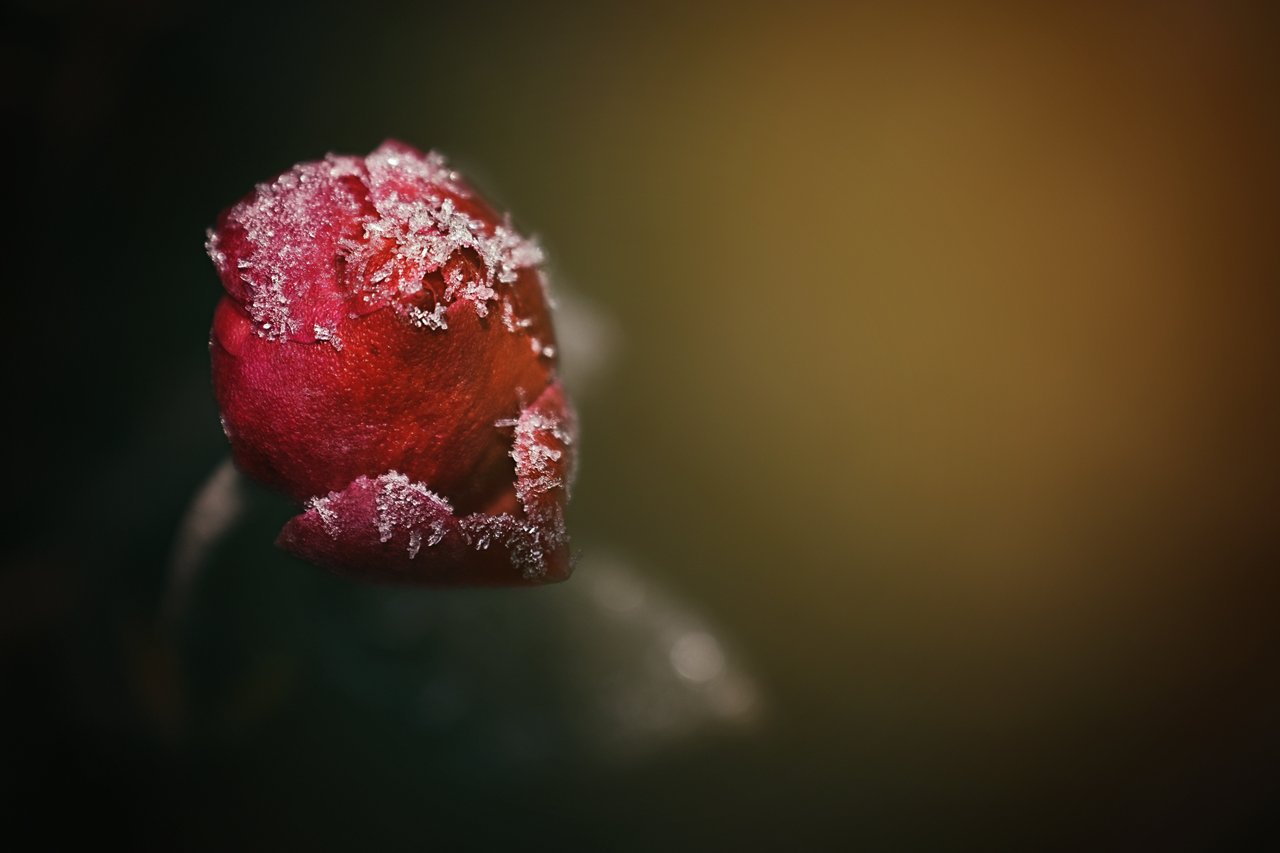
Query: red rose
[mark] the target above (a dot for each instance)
(385, 353)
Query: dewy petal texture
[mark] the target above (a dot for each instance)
(384, 353)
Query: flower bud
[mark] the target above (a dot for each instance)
(384, 353)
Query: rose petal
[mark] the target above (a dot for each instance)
(275, 250)
(393, 529)
(309, 419)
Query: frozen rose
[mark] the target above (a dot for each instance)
(384, 353)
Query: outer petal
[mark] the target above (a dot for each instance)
(308, 419)
(275, 250)
(393, 529)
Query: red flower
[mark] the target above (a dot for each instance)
(384, 352)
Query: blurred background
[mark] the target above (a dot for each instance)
(929, 488)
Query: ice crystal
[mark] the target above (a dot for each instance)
(433, 319)
(327, 514)
(391, 159)
(274, 251)
(480, 530)
(541, 349)
(511, 321)
(405, 505)
(535, 454)
(478, 293)
(328, 335)
(346, 236)
(212, 247)
(527, 541)
(540, 443)
(418, 231)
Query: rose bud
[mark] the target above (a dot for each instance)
(384, 353)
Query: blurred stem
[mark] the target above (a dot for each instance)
(216, 507)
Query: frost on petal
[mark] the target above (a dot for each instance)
(426, 231)
(392, 529)
(542, 448)
(346, 236)
(386, 526)
(327, 335)
(274, 250)
(396, 167)
(403, 505)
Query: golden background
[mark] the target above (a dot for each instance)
(942, 359)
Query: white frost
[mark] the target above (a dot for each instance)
(405, 505)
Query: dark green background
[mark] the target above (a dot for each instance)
(943, 385)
